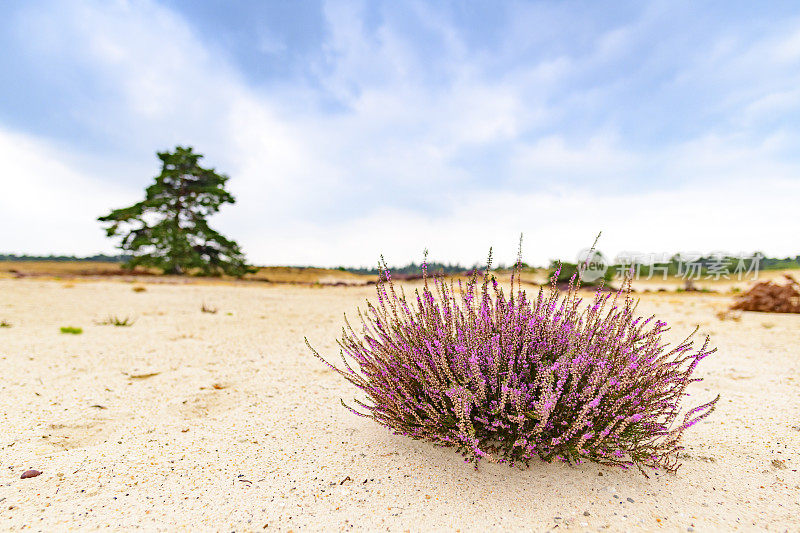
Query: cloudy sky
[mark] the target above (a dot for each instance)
(351, 129)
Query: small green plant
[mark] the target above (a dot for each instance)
(4, 324)
(114, 320)
(71, 330)
(208, 309)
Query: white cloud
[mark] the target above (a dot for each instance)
(553, 158)
(740, 217)
(146, 77)
(787, 49)
(773, 105)
(49, 204)
(384, 174)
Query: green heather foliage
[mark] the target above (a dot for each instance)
(508, 379)
(71, 330)
(4, 324)
(168, 229)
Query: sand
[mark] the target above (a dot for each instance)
(199, 421)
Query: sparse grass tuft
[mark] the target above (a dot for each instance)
(736, 316)
(71, 330)
(4, 324)
(113, 320)
(139, 288)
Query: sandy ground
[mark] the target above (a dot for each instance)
(200, 421)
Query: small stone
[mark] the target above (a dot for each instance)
(690, 528)
(629, 499)
(556, 518)
(586, 513)
(599, 473)
(30, 473)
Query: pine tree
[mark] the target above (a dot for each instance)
(168, 229)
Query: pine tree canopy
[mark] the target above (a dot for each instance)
(169, 230)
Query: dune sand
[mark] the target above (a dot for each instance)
(200, 421)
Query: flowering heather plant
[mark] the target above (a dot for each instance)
(507, 379)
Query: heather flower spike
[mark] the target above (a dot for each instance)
(508, 379)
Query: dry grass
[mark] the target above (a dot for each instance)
(78, 269)
(280, 274)
(62, 268)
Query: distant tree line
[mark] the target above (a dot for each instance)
(772, 263)
(708, 265)
(673, 267)
(416, 268)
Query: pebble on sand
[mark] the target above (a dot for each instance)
(29, 473)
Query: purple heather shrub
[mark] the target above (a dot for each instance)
(508, 378)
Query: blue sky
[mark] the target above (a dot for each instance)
(351, 129)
